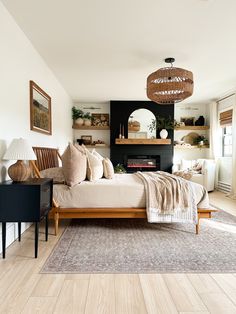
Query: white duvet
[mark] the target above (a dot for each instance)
(124, 190)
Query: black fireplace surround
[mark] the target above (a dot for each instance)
(163, 154)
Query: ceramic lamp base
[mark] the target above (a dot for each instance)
(19, 171)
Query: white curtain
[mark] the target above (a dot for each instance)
(215, 134)
(232, 194)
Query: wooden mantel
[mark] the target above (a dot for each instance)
(143, 141)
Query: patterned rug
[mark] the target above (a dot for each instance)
(135, 246)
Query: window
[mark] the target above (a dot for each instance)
(227, 141)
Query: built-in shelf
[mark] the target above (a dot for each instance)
(143, 141)
(92, 127)
(97, 146)
(192, 127)
(191, 147)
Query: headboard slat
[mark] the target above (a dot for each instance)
(46, 157)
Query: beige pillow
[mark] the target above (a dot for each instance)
(108, 168)
(94, 167)
(74, 165)
(55, 173)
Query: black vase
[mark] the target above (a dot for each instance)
(200, 121)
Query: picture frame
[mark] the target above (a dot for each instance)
(100, 119)
(40, 110)
(86, 139)
(188, 121)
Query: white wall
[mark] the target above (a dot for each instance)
(20, 63)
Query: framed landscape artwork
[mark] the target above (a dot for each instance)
(40, 110)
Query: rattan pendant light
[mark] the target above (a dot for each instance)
(169, 85)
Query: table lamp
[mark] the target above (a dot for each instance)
(19, 150)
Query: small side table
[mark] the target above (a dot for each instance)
(28, 201)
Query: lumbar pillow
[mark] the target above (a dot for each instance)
(95, 167)
(74, 164)
(108, 168)
(55, 173)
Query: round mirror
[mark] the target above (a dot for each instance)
(141, 124)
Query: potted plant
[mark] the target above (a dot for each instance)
(119, 168)
(200, 140)
(77, 115)
(162, 124)
(87, 119)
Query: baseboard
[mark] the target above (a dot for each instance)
(12, 232)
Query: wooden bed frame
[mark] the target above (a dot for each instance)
(49, 158)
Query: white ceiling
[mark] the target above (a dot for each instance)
(104, 49)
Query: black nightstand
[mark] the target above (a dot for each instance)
(27, 201)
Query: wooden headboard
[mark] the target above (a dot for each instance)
(46, 157)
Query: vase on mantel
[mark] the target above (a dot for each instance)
(163, 133)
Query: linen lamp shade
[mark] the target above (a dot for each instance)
(19, 150)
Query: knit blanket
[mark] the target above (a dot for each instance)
(169, 198)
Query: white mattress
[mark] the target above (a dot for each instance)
(124, 190)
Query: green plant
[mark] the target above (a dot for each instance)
(87, 115)
(119, 168)
(161, 123)
(77, 113)
(200, 138)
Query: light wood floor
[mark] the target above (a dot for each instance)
(24, 290)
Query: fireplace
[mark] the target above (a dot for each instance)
(135, 163)
(120, 112)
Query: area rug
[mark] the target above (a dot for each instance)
(135, 246)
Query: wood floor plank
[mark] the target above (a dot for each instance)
(218, 303)
(227, 282)
(77, 277)
(128, 294)
(194, 312)
(101, 294)
(49, 285)
(203, 283)
(156, 294)
(73, 296)
(39, 305)
(183, 293)
(16, 299)
(15, 280)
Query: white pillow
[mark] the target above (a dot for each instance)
(95, 153)
(108, 168)
(95, 167)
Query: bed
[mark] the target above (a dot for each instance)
(121, 197)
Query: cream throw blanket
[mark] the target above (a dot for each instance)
(169, 198)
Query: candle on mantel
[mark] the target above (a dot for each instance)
(123, 131)
(120, 135)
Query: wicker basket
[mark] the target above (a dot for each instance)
(134, 126)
